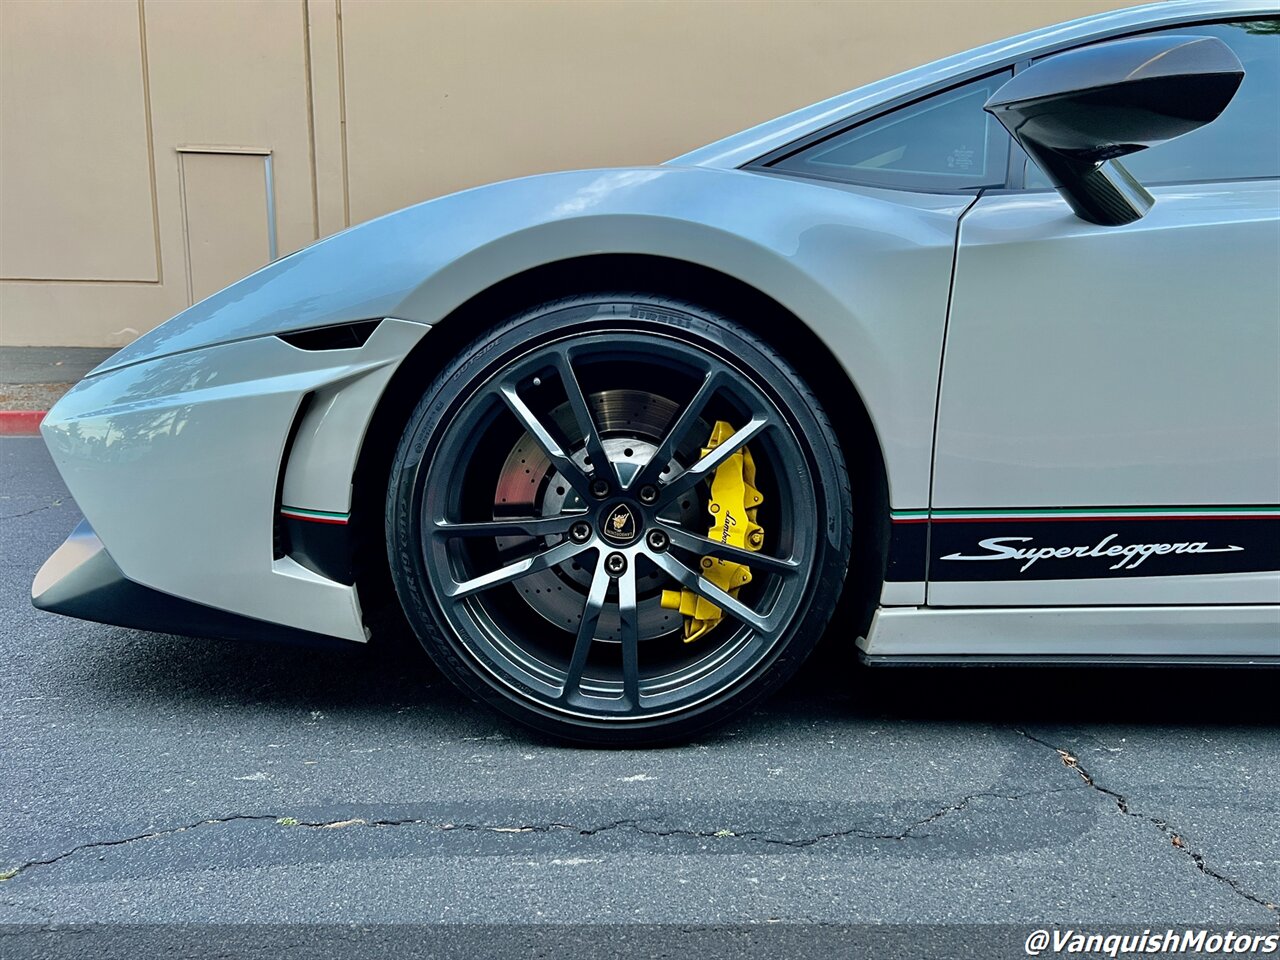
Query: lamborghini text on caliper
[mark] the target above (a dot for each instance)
(733, 505)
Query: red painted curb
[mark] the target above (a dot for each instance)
(21, 423)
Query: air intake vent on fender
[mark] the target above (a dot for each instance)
(343, 336)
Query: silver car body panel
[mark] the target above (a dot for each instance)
(903, 593)
(1130, 365)
(183, 437)
(1088, 633)
(1222, 588)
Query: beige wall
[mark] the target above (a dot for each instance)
(136, 135)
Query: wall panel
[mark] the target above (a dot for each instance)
(226, 215)
(75, 168)
(234, 74)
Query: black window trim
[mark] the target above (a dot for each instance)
(766, 163)
(1015, 175)
(1016, 172)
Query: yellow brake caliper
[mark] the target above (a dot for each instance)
(733, 506)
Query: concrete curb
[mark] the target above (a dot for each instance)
(21, 423)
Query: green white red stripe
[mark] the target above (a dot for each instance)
(315, 516)
(909, 516)
(1085, 513)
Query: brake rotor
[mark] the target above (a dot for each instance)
(631, 424)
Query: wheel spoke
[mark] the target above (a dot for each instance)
(652, 470)
(630, 623)
(513, 527)
(707, 465)
(586, 631)
(709, 591)
(558, 554)
(725, 551)
(572, 473)
(601, 466)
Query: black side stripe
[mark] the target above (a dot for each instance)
(1067, 547)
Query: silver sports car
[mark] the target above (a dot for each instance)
(987, 352)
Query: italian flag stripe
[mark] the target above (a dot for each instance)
(315, 516)
(1086, 513)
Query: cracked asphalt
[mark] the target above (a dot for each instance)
(161, 779)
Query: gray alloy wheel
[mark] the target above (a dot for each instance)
(555, 480)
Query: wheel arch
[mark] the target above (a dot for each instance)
(709, 288)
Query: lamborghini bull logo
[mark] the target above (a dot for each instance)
(620, 525)
(1130, 556)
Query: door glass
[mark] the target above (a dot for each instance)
(946, 142)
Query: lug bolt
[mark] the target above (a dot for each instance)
(599, 489)
(658, 540)
(648, 494)
(580, 532)
(615, 564)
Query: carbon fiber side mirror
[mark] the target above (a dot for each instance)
(1075, 113)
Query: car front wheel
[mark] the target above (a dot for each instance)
(618, 519)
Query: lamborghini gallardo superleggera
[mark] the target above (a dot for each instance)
(989, 351)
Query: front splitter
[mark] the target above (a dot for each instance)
(81, 580)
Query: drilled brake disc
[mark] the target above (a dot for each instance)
(631, 424)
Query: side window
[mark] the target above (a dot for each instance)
(1243, 143)
(945, 142)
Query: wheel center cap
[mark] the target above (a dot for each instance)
(619, 524)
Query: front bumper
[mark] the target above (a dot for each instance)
(81, 580)
(180, 465)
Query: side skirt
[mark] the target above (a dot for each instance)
(1029, 661)
(1076, 634)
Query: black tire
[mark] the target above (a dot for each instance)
(508, 644)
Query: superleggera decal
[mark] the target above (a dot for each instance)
(1077, 543)
(1131, 555)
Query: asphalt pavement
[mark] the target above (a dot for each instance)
(153, 779)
